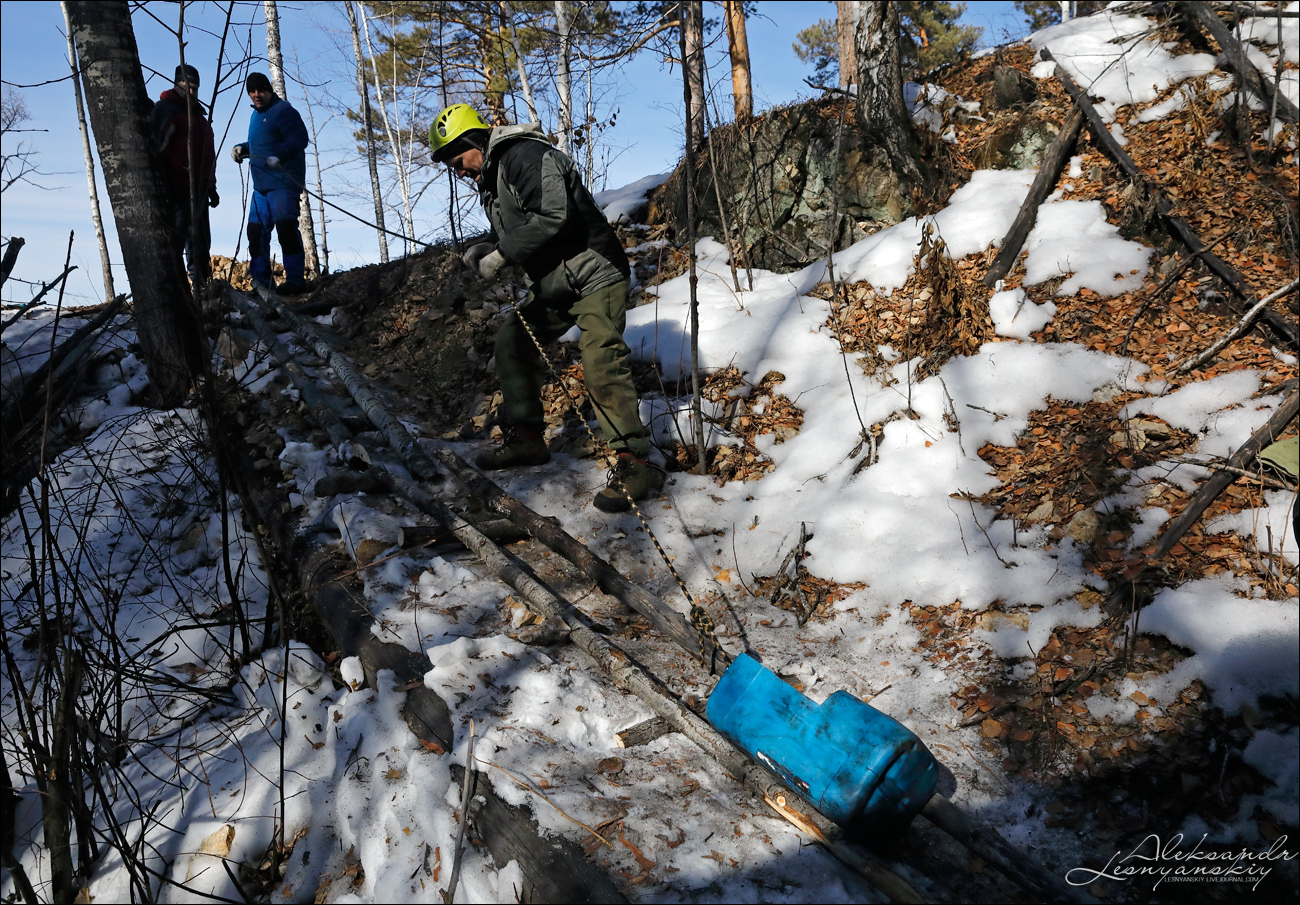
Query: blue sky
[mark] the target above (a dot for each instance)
(645, 140)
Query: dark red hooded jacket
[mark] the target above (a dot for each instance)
(175, 131)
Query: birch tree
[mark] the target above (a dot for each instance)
(882, 111)
(400, 161)
(563, 79)
(171, 342)
(692, 25)
(95, 216)
(367, 127)
(275, 59)
(508, 14)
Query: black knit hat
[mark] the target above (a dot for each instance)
(257, 80)
(187, 73)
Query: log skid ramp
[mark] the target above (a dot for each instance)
(595, 770)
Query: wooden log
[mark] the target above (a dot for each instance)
(1049, 171)
(393, 430)
(1224, 271)
(630, 677)
(643, 733)
(1236, 57)
(607, 578)
(348, 449)
(501, 531)
(1219, 481)
(555, 869)
(989, 845)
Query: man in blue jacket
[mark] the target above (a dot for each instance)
(277, 142)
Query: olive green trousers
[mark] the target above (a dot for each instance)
(601, 316)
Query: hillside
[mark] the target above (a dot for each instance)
(944, 497)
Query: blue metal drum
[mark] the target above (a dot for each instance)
(859, 767)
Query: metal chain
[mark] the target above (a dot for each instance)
(700, 617)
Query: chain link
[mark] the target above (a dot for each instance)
(700, 617)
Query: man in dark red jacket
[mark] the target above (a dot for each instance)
(188, 160)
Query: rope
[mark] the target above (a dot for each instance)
(699, 616)
(349, 213)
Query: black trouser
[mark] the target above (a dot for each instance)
(196, 243)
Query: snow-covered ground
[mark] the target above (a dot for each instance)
(374, 812)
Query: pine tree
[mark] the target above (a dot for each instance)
(1042, 13)
(930, 36)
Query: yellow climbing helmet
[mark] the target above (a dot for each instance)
(450, 125)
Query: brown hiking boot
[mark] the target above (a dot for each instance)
(630, 477)
(519, 446)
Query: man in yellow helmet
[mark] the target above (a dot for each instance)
(544, 219)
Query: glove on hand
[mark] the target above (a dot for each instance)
(213, 198)
(239, 153)
(273, 163)
(490, 264)
(476, 253)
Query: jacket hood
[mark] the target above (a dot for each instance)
(171, 95)
(502, 135)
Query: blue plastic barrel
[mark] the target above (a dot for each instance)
(859, 767)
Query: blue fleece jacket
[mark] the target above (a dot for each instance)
(279, 132)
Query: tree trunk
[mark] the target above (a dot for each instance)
(394, 145)
(170, 338)
(95, 215)
(563, 79)
(738, 47)
(693, 65)
(324, 260)
(306, 225)
(846, 23)
(688, 186)
(882, 112)
(363, 88)
(507, 13)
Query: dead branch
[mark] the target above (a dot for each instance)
(1049, 171)
(1179, 227)
(1239, 328)
(1237, 60)
(1219, 482)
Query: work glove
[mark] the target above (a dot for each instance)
(239, 153)
(490, 263)
(476, 253)
(273, 163)
(213, 198)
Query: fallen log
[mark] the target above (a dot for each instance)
(630, 677)
(1220, 480)
(1049, 171)
(347, 448)
(393, 430)
(1237, 60)
(1179, 227)
(556, 871)
(607, 578)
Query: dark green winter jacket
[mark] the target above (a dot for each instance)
(545, 219)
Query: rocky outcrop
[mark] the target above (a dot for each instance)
(777, 176)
